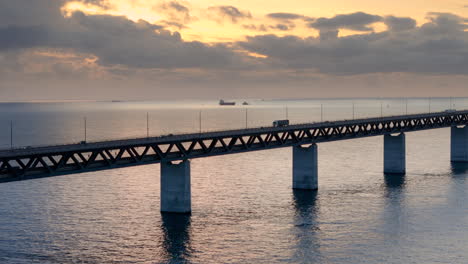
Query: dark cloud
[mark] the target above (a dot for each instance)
(358, 21)
(113, 40)
(172, 24)
(287, 20)
(399, 23)
(261, 27)
(176, 12)
(329, 34)
(265, 28)
(177, 6)
(444, 23)
(30, 13)
(283, 27)
(231, 13)
(20, 37)
(437, 47)
(285, 16)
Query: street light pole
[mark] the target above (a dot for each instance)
(430, 105)
(381, 108)
(200, 121)
(11, 134)
(321, 112)
(406, 103)
(85, 129)
(246, 117)
(147, 125)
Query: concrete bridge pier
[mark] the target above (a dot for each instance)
(394, 154)
(175, 187)
(459, 144)
(305, 168)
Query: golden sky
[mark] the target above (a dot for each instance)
(246, 48)
(200, 24)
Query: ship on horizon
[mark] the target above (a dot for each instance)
(222, 102)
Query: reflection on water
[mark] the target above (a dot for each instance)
(306, 226)
(305, 203)
(176, 230)
(394, 218)
(459, 168)
(457, 188)
(394, 182)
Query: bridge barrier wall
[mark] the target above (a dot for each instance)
(175, 187)
(305, 167)
(395, 154)
(459, 144)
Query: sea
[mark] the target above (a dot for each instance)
(244, 209)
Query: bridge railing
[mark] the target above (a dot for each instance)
(192, 134)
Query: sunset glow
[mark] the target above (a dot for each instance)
(236, 48)
(199, 24)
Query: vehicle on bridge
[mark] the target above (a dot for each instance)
(222, 102)
(281, 123)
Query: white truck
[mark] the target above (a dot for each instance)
(281, 123)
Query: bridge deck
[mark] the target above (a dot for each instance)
(35, 162)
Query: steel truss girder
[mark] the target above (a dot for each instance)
(59, 163)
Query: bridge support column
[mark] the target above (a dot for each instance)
(175, 187)
(394, 154)
(305, 169)
(459, 144)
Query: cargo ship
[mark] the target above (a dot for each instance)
(222, 102)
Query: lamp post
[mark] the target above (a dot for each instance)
(11, 134)
(246, 117)
(406, 105)
(430, 105)
(147, 125)
(85, 128)
(321, 112)
(200, 121)
(381, 108)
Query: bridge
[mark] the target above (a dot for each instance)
(174, 152)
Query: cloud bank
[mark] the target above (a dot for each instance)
(439, 46)
(40, 41)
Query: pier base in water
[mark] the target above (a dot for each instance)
(175, 187)
(305, 167)
(395, 154)
(459, 144)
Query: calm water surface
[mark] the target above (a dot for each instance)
(244, 209)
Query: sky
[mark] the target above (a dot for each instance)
(201, 49)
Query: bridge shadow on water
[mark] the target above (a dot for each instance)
(306, 226)
(176, 244)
